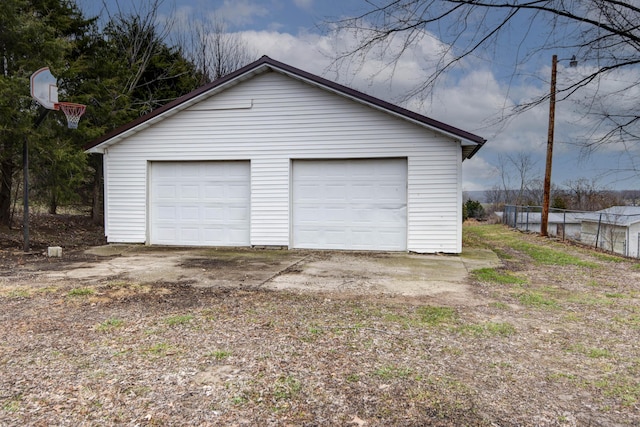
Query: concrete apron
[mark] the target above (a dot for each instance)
(440, 276)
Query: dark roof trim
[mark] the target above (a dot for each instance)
(266, 61)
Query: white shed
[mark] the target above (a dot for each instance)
(615, 229)
(271, 155)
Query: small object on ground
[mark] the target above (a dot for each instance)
(54, 251)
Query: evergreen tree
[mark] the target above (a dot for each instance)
(473, 209)
(33, 34)
(121, 71)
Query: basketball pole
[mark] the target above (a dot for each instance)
(44, 90)
(25, 174)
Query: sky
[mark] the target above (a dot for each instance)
(472, 97)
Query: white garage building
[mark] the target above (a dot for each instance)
(271, 155)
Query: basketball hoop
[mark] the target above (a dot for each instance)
(72, 111)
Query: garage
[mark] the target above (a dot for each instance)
(200, 203)
(355, 204)
(274, 156)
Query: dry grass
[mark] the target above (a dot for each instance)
(557, 346)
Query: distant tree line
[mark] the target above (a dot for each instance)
(520, 183)
(579, 195)
(121, 67)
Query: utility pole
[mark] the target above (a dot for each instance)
(544, 221)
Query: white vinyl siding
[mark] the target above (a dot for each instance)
(634, 240)
(271, 119)
(270, 202)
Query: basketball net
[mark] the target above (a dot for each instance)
(72, 111)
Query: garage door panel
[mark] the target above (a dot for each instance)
(350, 204)
(237, 236)
(166, 213)
(166, 233)
(189, 235)
(189, 213)
(213, 214)
(166, 191)
(332, 215)
(387, 193)
(189, 192)
(169, 172)
(213, 192)
(237, 191)
(238, 214)
(200, 203)
(335, 236)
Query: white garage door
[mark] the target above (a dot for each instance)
(200, 203)
(350, 204)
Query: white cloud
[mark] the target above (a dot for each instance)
(314, 52)
(240, 12)
(475, 102)
(476, 172)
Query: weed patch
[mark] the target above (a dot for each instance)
(110, 324)
(434, 316)
(19, 293)
(622, 387)
(632, 320)
(219, 354)
(548, 256)
(286, 388)
(178, 320)
(590, 300)
(500, 305)
(608, 257)
(81, 292)
(390, 372)
(489, 329)
(13, 404)
(160, 349)
(596, 353)
(491, 275)
(537, 300)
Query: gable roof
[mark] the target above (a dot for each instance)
(470, 143)
(623, 216)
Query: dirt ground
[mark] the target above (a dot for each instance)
(545, 342)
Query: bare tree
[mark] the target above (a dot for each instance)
(214, 50)
(140, 34)
(602, 33)
(534, 192)
(517, 173)
(631, 196)
(496, 198)
(524, 165)
(586, 194)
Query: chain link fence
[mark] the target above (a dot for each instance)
(615, 229)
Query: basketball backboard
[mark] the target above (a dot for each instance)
(44, 88)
